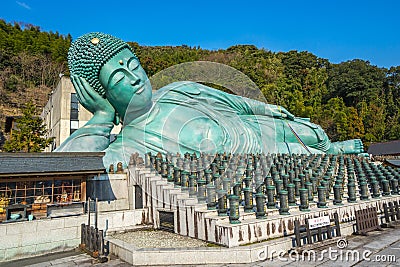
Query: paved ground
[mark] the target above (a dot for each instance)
(380, 248)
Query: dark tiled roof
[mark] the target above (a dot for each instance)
(393, 162)
(388, 148)
(13, 164)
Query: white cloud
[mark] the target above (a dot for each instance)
(24, 5)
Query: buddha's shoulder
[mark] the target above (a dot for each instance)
(183, 87)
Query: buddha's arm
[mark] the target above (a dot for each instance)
(222, 101)
(95, 135)
(247, 106)
(260, 108)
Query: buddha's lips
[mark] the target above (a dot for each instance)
(140, 89)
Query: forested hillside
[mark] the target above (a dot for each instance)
(353, 99)
(30, 64)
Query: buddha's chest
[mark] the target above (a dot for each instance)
(182, 127)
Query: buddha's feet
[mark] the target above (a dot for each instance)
(353, 146)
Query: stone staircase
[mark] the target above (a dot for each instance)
(195, 220)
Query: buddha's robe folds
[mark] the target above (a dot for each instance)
(190, 117)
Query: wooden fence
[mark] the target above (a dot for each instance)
(310, 236)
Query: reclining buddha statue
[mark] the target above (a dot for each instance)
(180, 117)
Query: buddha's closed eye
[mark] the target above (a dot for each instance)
(117, 77)
(133, 64)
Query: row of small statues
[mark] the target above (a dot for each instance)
(215, 178)
(120, 169)
(65, 197)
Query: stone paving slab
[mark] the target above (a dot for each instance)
(381, 244)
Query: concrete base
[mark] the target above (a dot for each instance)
(38, 237)
(111, 190)
(238, 255)
(194, 220)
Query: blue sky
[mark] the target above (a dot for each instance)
(338, 30)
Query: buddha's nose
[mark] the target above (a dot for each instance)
(136, 82)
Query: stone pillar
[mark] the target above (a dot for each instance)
(304, 199)
(291, 194)
(271, 198)
(337, 195)
(192, 185)
(283, 203)
(364, 190)
(375, 189)
(321, 197)
(222, 203)
(234, 209)
(185, 181)
(385, 188)
(309, 187)
(201, 191)
(351, 191)
(260, 204)
(177, 177)
(248, 199)
(211, 197)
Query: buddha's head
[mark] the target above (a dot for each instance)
(111, 67)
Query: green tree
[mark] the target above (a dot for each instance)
(30, 132)
(355, 81)
(355, 124)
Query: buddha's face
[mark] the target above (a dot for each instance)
(126, 83)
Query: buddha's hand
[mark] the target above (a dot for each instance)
(286, 114)
(280, 112)
(92, 100)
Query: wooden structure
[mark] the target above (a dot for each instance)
(310, 236)
(92, 239)
(391, 213)
(366, 221)
(38, 180)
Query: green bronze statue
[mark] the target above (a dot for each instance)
(180, 117)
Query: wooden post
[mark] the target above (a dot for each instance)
(396, 205)
(16, 193)
(309, 237)
(96, 214)
(91, 237)
(52, 190)
(88, 207)
(329, 231)
(83, 232)
(83, 189)
(25, 192)
(386, 212)
(101, 248)
(392, 213)
(297, 232)
(337, 224)
(319, 235)
(95, 240)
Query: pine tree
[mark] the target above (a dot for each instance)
(30, 132)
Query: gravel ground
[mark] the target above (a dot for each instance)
(158, 239)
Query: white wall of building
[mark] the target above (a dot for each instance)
(56, 113)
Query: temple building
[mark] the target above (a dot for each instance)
(63, 114)
(385, 150)
(44, 183)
